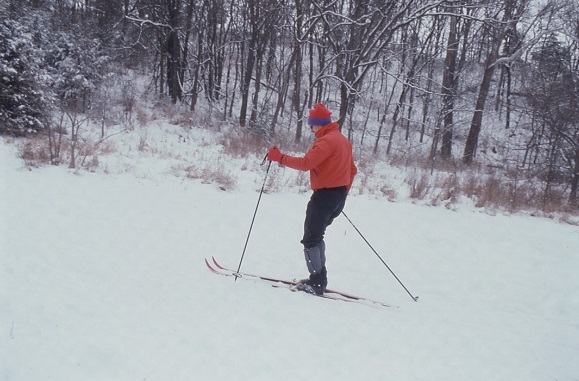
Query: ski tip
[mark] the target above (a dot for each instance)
(217, 263)
(209, 266)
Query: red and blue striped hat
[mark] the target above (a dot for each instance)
(319, 115)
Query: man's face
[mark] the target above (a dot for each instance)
(315, 129)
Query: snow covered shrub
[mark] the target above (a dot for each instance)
(492, 193)
(210, 173)
(448, 190)
(390, 193)
(420, 184)
(241, 143)
(34, 151)
(128, 97)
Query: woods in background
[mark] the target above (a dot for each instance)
(449, 80)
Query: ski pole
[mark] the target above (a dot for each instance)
(415, 298)
(254, 214)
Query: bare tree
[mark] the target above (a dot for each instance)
(359, 33)
(553, 96)
(449, 85)
(496, 30)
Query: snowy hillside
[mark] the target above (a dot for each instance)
(103, 278)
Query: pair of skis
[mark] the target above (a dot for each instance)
(217, 268)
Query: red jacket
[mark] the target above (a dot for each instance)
(329, 161)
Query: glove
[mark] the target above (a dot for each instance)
(274, 154)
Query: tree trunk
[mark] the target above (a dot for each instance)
(256, 86)
(489, 69)
(448, 90)
(250, 63)
(173, 49)
(476, 124)
(284, 88)
(296, 96)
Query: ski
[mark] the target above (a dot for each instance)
(217, 268)
(279, 283)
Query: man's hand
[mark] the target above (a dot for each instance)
(274, 154)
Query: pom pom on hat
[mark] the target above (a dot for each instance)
(319, 115)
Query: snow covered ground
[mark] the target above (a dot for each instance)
(102, 277)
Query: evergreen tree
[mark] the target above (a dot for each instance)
(20, 100)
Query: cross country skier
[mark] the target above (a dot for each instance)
(332, 172)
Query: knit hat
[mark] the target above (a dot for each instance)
(319, 115)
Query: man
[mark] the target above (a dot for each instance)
(332, 172)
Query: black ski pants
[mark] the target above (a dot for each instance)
(324, 205)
